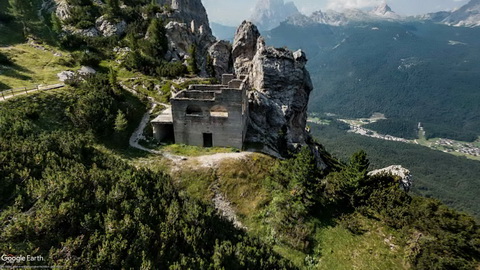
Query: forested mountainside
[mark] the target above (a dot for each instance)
(76, 194)
(412, 71)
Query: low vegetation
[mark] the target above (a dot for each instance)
(83, 208)
(341, 219)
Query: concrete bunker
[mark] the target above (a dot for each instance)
(207, 115)
(163, 127)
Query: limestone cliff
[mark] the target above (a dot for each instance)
(188, 26)
(280, 88)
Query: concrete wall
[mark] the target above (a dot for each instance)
(226, 131)
(162, 132)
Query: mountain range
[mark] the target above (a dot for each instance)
(269, 14)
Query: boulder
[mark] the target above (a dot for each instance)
(406, 178)
(65, 75)
(108, 28)
(84, 70)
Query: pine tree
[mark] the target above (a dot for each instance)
(210, 66)
(120, 122)
(157, 43)
(22, 10)
(112, 78)
(56, 23)
(192, 61)
(113, 7)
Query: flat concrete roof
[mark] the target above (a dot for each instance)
(165, 117)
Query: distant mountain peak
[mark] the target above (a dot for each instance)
(269, 14)
(384, 10)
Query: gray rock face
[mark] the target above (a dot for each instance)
(269, 14)
(221, 54)
(244, 46)
(188, 26)
(181, 36)
(63, 10)
(281, 87)
(108, 28)
(187, 11)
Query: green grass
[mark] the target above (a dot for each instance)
(243, 183)
(32, 66)
(340, 249)
(194, 151)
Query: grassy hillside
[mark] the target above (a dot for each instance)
(454, 180)
(33, 65)
(327, 234)
(411, 72)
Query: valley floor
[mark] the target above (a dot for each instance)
(458, 148)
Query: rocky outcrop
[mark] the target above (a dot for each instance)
(221, 55)
(181, 36)
(406, 178)
(280, 92)
(244, 47)
(63, 10)
(188, 26)
(186, 11)
(108, 28)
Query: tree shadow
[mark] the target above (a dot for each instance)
(4, 86)
(11, 33)
(15, 71)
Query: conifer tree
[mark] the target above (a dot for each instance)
(192, 61)
(210, 67)
(56, 23)
(120, 122)
(22, 10)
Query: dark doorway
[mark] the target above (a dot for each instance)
(207, 140)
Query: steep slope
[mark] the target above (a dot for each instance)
(268, 14)
(468, 15)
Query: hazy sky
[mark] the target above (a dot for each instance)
(232, 12)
